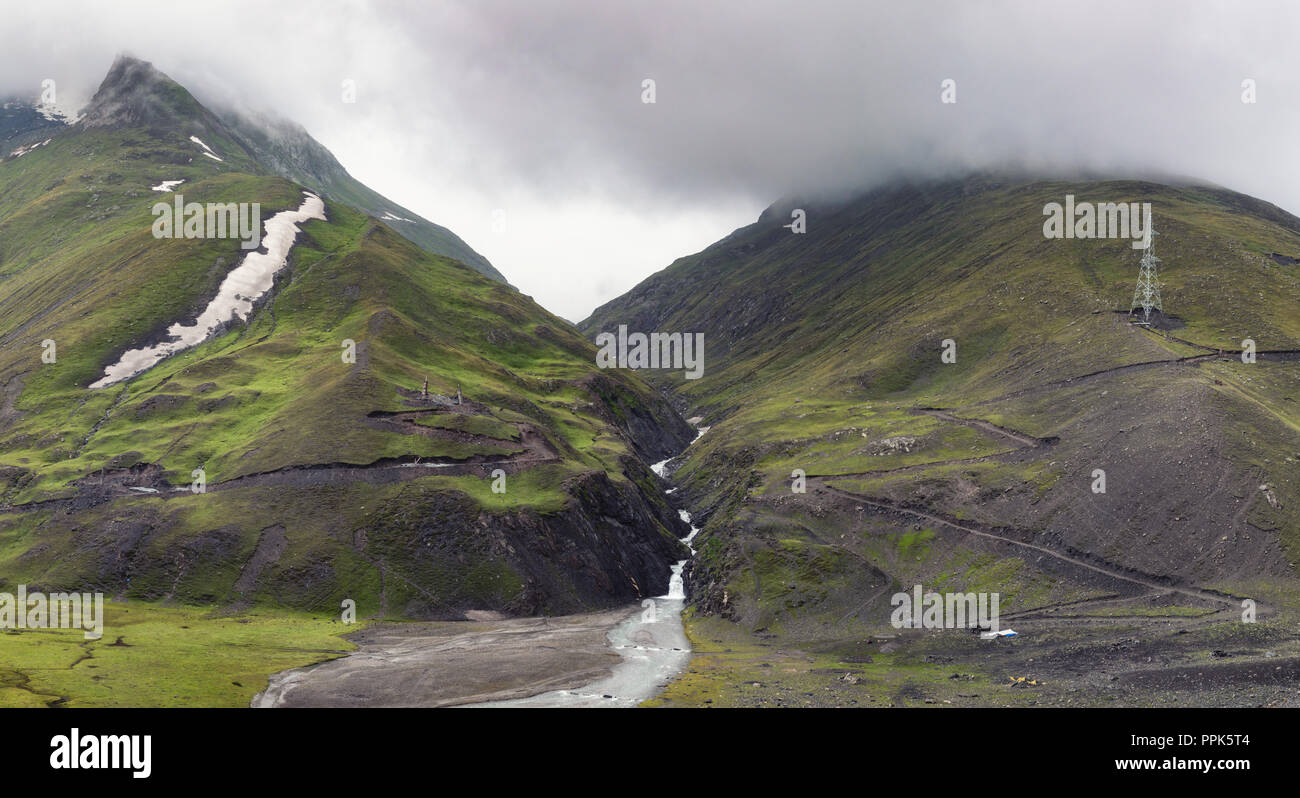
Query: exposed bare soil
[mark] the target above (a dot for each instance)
(449, 663)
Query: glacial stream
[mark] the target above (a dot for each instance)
(651, 642)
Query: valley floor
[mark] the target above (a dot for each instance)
(448, 663)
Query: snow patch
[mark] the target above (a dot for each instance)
(208, 150)
(53, 113)
(167, 185)
(21, 151)
(243, 286)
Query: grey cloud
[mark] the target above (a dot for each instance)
(537, 105)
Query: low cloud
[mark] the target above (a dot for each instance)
(536, 108)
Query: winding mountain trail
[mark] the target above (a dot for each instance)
(532, 446)
(1112, 571)
(1093, 375)
(1028, 441)
(1020, 539)
(1275, 355)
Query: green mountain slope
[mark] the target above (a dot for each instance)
(823, 354)
(326, 478)
(289, 151)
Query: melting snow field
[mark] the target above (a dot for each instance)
(207, 150)
(54, 113)
(167, 185)
(243, 286)
(21, 151)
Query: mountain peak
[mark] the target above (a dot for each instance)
(134, 92)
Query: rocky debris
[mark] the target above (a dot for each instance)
(1267, 490)
(896, 445)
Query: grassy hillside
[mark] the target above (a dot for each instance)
(823, 354)
(159, 655)
(325, 478)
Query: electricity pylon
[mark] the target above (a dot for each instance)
(1147, 293)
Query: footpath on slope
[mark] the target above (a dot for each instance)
(1020, 539)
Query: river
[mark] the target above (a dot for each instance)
(404, 664)
(651, 642)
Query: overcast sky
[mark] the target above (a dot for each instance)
(535, 108)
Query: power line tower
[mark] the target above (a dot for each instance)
(1147, 293)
